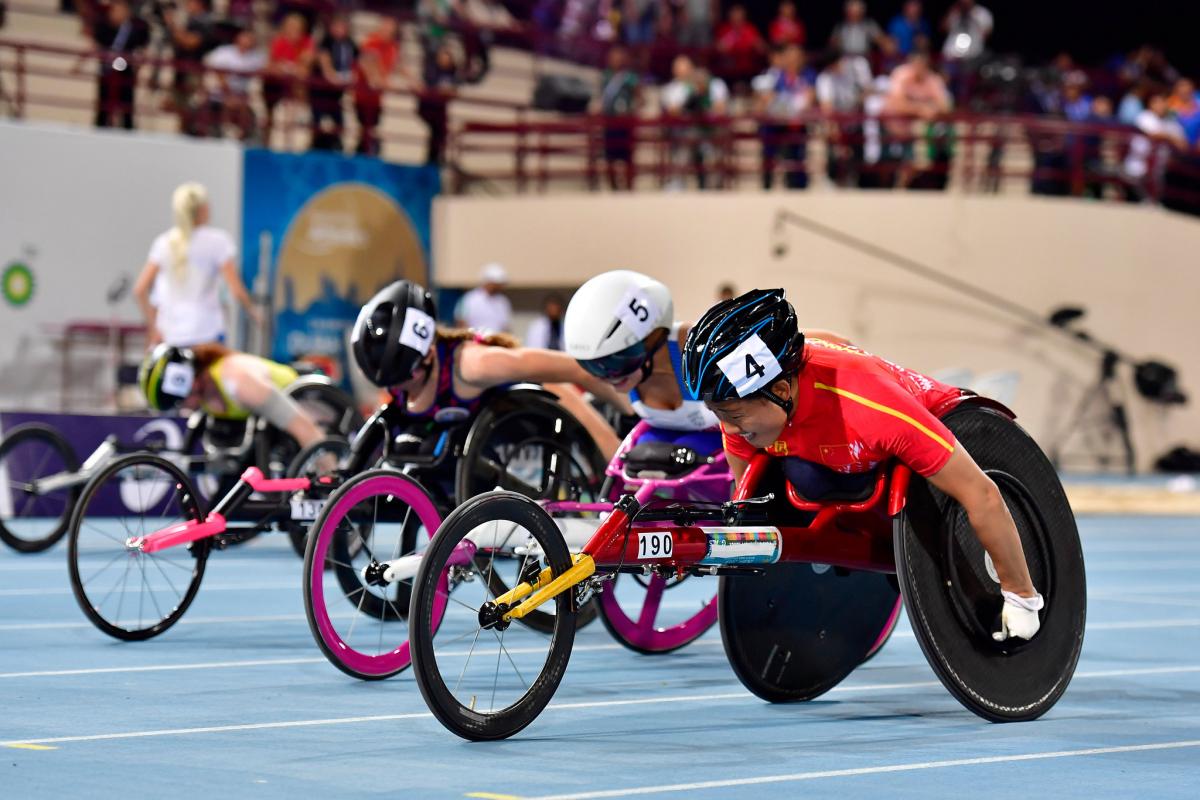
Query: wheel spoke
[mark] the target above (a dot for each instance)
(654, 593)
(93, 526)
(157, 566)
(503, 649)
(100, 571)
(467, 662)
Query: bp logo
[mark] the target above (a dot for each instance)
(16, 284)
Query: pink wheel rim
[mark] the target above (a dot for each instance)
(642, 632)
(888, 627)
(398, 658)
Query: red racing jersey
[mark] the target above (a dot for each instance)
(855, 410)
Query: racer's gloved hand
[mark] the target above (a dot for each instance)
(1019, 618)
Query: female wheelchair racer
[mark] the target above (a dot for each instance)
(968, 538)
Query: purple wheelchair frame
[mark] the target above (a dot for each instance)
(711, 481)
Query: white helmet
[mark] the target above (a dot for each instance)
(609, 319)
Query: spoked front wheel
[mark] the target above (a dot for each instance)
(358, 571)
(33, 511)
(126, 592)
(482, 678)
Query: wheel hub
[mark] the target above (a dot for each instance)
(491, 616)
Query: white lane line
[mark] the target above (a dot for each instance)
(695, 698)
(882, 769)
(46, 626)
(59, 565)
(1144, 566)
(270, 662)
(265, 662)
(218, 587)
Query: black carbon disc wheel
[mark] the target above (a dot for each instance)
(951, 592)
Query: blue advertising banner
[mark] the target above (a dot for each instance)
(321, 234)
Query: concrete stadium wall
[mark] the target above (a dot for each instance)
(1130, 266)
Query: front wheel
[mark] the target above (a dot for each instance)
(127, 593)
(487, 681)
(33, 519)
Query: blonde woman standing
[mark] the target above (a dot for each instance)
(179, 288)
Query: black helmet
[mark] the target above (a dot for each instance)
(166, 376)
(393, 333)
(741, 346)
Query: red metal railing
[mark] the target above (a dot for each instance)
(976, 153)
(535, 150)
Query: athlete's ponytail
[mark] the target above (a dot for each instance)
(186, 203)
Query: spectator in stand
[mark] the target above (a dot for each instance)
(120, 35)
(241, 13)
(841, 89)
(857, 33)
(191, 39)
(485, 308)
(876, 171)
(1094, 169)
(378, 57)
(696, 23)
(785, 103)
(1077, 105)
(620, 96)
(1134, 102)
(726, 291)
(440, 18)
(638, 21)
(787, 27)
(909, 30)
(1149, 153)
(434, 20)
(235, 66)
(1147, 63)
(967, 26)
(740, 47)
(333, 73)
(545, 331)
(370, 79)
(442, 78)
(288, 64)
(915, 91)
(1185, 103)
(694, 93)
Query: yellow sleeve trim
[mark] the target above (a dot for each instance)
(889, 411)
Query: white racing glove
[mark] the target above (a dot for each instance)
(1019, 618)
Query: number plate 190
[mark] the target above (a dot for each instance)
(654, 544)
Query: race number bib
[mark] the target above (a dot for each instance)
(638, 312)
(750, 366)
(655, 544)
(418, 330)
(177, 379)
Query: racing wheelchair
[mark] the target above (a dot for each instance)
(41, 476)
(806, 585)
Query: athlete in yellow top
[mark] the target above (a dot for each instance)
(226, 384)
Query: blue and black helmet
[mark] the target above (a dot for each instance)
(740, 347)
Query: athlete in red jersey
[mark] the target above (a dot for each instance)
(832, 413)
(853, 411)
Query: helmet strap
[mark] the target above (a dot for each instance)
(648, 364)
(787, 405)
